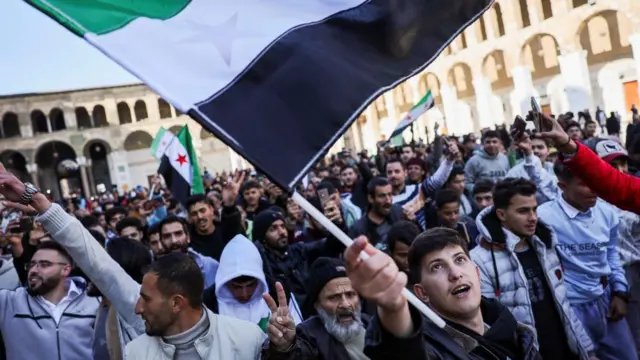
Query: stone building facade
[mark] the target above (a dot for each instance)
(95, 139)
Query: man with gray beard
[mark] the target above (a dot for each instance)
(338, 330)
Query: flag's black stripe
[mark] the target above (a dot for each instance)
(285, 111)
(179, 187)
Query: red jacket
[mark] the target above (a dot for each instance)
(617, 188)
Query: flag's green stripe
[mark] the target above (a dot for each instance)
(157, 139)
(184, 136)
(423, 100)
(104, 16)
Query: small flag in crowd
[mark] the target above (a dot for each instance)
(161, 142)
(420, 108)
(279, 82)
(179, 167)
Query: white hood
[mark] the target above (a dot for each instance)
(240, 257)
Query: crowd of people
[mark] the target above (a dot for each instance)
(526, 243)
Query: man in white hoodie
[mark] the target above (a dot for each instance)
(240, 283)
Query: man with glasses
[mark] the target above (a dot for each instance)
(52, 317)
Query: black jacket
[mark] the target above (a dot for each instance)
(359, 190)
(366, 227)
(212, 245)
(429, 342)
(313, 342)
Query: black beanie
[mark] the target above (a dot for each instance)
(262, 222)
(322, 271)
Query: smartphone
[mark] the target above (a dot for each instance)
(323, 195)
(535, 108)
(519, 126)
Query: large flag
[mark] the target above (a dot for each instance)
(420, 108)
(179, 167)
(161, 142)
(277, 81)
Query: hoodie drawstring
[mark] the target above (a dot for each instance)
(495, 270)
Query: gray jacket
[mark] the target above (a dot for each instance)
(8, 276)
(482, 165)
(105, 273)
(496, 243)
(30, 332)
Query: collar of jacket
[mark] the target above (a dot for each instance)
(203, 344)
(497, 237)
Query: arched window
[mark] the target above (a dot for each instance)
(460, 78)
(83, 119)
(381, 107)
(490, 69)
(10, 125)
(175, 129)
(124, 113)
(578, 3)
(99, 116)
(550, 51)
(140, 109)
(39, 122)
(461, 81)
(547, 10)
(164, 108)
(138, 140)
(430, 82)
(599, 35)
(463, 40)
(56, 117)
(524, 13)
(481, 30)
(540, 53)
(495, 14)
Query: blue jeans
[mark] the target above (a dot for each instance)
(612, 339)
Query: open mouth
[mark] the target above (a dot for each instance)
(345, 317)
(461, 290)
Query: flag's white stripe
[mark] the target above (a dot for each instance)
(167, 138)
(175, 150)
(185, 43)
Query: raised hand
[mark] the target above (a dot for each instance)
(556, 134)
(10, 186)
(232, 188)
(453, 151)
(524, 143)
(281, 328)
(332, 212)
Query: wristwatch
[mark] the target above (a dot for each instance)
(27, 195)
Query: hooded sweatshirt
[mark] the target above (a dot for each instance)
(483, 165)
(8, 275)
(241, 258)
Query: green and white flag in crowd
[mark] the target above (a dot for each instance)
(179, 167)
(420, 108)
(161, 142)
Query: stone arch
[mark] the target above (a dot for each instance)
(540, 52)
(10, 125)
(578, 3)
(381, 107)
(56, 117)
(495, 20)
(605, 36)
(124, 113)
(546, 9)
(164, 109)
(99, 116)
(140, 109)
(525, 19)
(39, 122)
(403, 96)
(16, 164)
(58, 171)
(611, 79)
(460, 78)
(83, 119)
(481, 29)
(495, 70)
(97, 150)
(429, 81)
(138, 140)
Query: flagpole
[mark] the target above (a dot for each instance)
(346, 240)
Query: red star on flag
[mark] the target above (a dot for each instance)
(182, 159)
(409, 117)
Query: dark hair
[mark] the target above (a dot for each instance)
(200, 198)
(174, 219)
(98, 237)
(483, 185)
(374, 183)
(178, 273)
(562, 171)
(446, 196)
(89, 221)
(432, 240)
(402, 231)
(128, 222)
(491, 134)
(589, 122)
(131, 255)
(52, 245)
(153, 229)
(347, 166)
(572, 124)
(508, 188)
(173, 203)
(109, 214)
(328, 185)
(455, 171)
(395, 160)
(406, 145)
(251, 184)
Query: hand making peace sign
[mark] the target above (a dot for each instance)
(231, 189)
(281, 328)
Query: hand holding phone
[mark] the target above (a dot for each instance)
(323, 195)
(535, 109)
